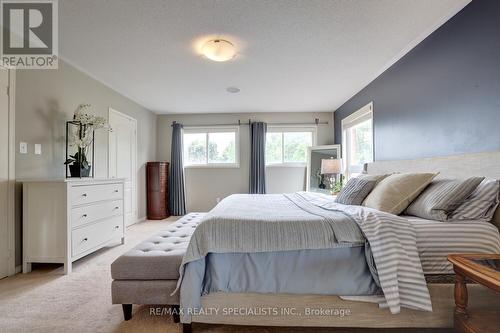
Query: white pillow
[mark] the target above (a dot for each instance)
(481, 204)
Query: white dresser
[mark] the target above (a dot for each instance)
(64, 220)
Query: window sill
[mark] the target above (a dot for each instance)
(287, 165)
(212, 166)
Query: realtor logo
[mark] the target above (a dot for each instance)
(29, 34)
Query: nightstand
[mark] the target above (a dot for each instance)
(485, 270)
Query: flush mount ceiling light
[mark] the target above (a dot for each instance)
(218, 50)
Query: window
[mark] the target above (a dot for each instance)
(357, 138)
(288, 146)
(211, 147)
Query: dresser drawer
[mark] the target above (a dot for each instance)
(84, 194)
(96, 211)
(93, 235)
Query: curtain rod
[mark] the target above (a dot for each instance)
(241, 123)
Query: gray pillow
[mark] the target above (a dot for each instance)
(442, 197)
(481, 204)
(355, 191)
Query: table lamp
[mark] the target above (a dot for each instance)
(331, 166)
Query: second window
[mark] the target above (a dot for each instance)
(288, 146)
(211, 147)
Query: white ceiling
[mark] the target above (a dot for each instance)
(308, 55)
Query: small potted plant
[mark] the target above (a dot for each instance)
(83, 139)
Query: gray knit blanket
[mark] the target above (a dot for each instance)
(244, 223)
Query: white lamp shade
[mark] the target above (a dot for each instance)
(219, 50)
(331, 166)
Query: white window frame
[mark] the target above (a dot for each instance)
(363, 114)
(291, 128)
(213, 129)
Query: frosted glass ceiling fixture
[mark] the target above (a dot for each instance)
(219, 50)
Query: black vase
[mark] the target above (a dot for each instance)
(77, 171)
(321, 183)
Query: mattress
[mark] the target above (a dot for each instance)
(436, 239)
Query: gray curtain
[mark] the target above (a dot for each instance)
(176, 198)
(257, 157)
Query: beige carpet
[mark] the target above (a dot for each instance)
(47, 301)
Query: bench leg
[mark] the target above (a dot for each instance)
(175, 314)
(186, 328)
(127, 311)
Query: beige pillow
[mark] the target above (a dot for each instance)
(394, 193)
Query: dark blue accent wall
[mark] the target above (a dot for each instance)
(443, 97)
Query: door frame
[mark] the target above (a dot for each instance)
(135, 211)
(11, 177)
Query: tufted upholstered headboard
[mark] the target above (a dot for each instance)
(454, 166)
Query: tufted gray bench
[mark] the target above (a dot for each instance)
(148, 273)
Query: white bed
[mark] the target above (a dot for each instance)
(433, 242)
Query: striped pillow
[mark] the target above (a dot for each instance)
(442, 197)
(355, 191)
(481, 204)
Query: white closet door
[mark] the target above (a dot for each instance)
(122, 159)
(4, 173)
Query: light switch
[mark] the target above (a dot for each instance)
(38, 149)
(23, 148)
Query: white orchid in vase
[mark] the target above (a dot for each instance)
(83, 138)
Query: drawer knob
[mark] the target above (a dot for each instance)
(117, 227)
(84, 194)
(84, 215)
(85, 239)
(117, 207)
(116, 191)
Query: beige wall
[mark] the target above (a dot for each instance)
(45, 100)
(205, 185)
